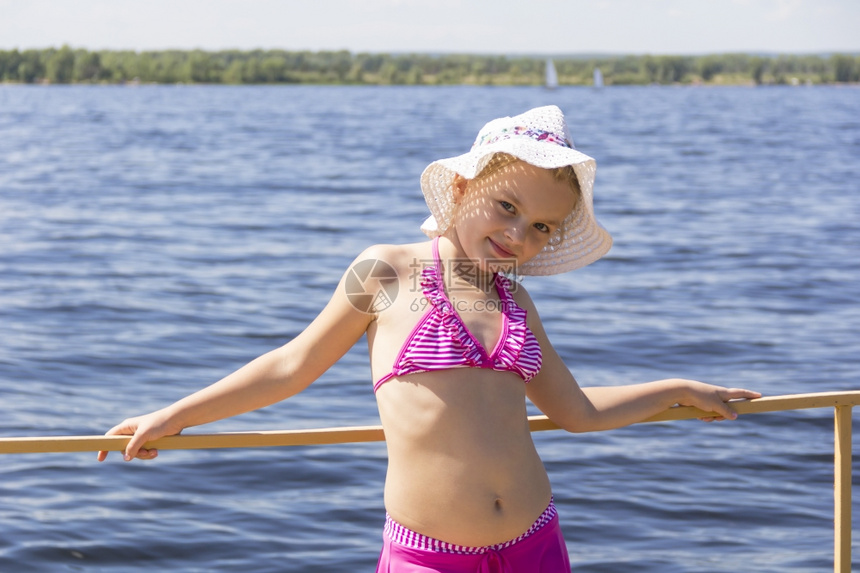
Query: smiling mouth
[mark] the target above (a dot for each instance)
(504, 253)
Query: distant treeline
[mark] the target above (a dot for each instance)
(66, 65)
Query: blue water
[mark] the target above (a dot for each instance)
(153, 239)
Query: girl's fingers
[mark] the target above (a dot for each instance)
(147, 454)
(739, 393)
(141, 430)
(724, 409)
(121, 429)
(134, 448)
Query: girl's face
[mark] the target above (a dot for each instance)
(509, 214)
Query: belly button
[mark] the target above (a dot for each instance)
(499, 504)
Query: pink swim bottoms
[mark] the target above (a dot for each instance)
(540, 549)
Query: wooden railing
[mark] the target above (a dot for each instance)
(841, 402)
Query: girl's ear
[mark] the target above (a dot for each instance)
(458, 186)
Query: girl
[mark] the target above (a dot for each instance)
(455, 349)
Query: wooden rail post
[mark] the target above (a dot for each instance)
(842, 489)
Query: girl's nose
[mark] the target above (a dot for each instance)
(515, 235)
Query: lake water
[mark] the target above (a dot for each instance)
(154, 239)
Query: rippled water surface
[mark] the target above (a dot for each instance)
(153, 239)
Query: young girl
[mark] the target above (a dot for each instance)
(455, 349)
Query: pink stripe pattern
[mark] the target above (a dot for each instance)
(408, 538)
(441, 340)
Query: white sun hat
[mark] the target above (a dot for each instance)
(539, 137)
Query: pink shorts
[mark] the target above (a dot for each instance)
(540, 549)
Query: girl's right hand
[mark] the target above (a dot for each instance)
(142, 429)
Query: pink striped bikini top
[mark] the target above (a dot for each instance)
(441, 341)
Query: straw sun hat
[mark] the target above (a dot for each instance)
(538, 137)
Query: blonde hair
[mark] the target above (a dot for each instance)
(565, 174)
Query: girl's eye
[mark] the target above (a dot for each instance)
(506, 206)
(542, 227)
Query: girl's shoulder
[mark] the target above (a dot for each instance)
(521, 295)
(400, 257)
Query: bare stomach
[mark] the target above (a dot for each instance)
(462, 466)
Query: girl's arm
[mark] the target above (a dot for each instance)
(272, 377)
(556, 393)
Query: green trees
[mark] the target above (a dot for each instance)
(87, 67)
(67, 65)
(846, 69)
(30, 68)
(60, 66)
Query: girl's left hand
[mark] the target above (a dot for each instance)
(715, 399)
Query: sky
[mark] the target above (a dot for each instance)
(544, 27)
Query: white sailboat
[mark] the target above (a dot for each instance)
(551, 81)
(598, 78)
